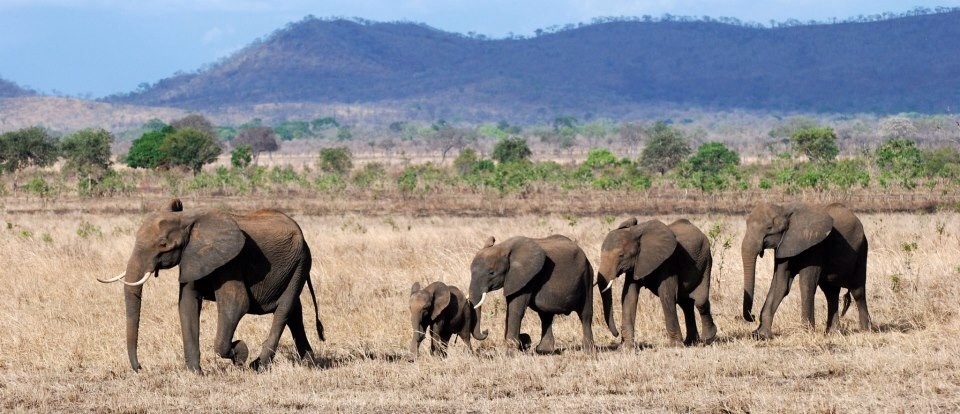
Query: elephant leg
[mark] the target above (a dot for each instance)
(628, 313)
(465, 337)
(516, 306)
(436, 341)
(232, 304)
(832, 293)
(586, 324)
(860, 296)
(690, 321)
(298, 332)
(668, 300)
(547, 342)
(708, 329)
(189, 308)
(444, 344)
(809, 279)
(779, 288)
(280, 317)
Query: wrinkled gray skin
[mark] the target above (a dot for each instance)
(825, 246)
(255, 263)
(550, 275)
(445, 311)
(672, 261)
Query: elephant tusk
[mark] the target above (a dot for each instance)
(482, 297)
(111, 280)
(139, 282)
(609, 285)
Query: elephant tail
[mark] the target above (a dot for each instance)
(846, 303)
(316, 310)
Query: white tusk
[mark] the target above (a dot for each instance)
(111, 280)
(482, 297)
(139, 282)
(610, 285)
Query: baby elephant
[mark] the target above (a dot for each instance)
(446, 311)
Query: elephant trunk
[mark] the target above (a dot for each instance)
(419, 332)
(132, 300)
(606, 298)
(749, 251)
(477, 293)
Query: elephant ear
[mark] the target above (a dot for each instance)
(630, 222)
(526, 260)
(806, 227)
(657, 244)
(441, 299)
(214, 240)
(415, 288)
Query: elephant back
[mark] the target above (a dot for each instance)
(691, 239)
(847, 224)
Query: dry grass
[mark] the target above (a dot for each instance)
(62, 347)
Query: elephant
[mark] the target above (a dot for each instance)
(826, 246)
(550, 275)
(674, 262)
(446, 311)
(255, 263)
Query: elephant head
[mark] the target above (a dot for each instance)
(198, 242)
(426, 305)
(789, 230)
(510, 265)
(633, 249)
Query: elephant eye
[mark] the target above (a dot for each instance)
(491, 272)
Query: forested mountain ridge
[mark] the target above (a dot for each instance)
(9, 89)
(905, 64)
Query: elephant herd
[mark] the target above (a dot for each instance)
(258, 263)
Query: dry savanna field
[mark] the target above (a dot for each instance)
(62, 342)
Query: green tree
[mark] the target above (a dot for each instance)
(191, 148)
(818, 144)
(145, 151)
(87, 152)
(344, 134)
(665, 149)
(899, 159)
(241, 156)
(714, 157)
(27, 147)
(465, 161)
(335, 160)
(511, 149)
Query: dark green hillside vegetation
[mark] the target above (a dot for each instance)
(9, 90)
(881, 64)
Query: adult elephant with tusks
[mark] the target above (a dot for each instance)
(254, 263)
(673, 262)
(550, 275)
(825, 246)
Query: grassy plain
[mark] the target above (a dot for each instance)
(62, 346)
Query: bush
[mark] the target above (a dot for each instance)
(511, 150)
(713, 167)
(87, 151)
(818, 144)
(371, 173)
(241, 156)
(337, 160)
(465, 161)
(145, 151)
(191, 148)
(666, 148)
(943, 162)
(899, 160)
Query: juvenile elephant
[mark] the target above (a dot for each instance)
(673, 262)
(446, 311)
(550, 275)
(253, 263)
(826, 246)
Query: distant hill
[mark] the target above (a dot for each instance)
(11, 90)
(906, 64)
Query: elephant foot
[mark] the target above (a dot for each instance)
(690, 341)
(546, 348)
(761, 334)
(240, 353)
(258, 365)
(628, 346)
(709, 335)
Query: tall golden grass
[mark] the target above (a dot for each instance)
(62, 341)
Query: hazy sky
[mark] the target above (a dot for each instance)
(100, 47)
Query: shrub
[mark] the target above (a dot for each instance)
(666, 148)
(465, 161)
(818, 144)
(191, 148)
(371, 173)
(337, 160)
(899, 160)
(145, 151)
(241, 156)
(87, 151)
(511, 150)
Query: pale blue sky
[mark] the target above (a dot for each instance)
(100, 47)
